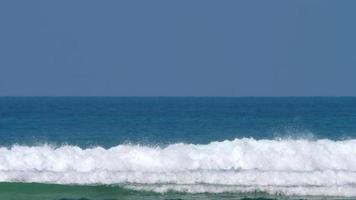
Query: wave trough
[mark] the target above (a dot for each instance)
(291, 167)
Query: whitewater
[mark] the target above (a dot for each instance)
(283, 166)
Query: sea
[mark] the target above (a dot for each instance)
(177, 148)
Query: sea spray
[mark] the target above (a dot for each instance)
(290, 166)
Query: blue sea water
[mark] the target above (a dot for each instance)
(108, 121)
(177, 147)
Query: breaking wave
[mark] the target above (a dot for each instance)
(287, 166)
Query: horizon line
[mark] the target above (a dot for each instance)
(178, 96)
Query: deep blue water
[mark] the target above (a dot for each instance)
(108, 121)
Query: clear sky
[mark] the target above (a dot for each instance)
(177, 48)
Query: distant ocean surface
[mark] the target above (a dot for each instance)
(113, 148)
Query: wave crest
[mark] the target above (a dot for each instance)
(321, 166)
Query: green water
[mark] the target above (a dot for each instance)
(36, 191)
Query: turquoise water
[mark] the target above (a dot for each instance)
(177, 148)
(35, 191)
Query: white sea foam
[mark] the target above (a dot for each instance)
(292, 167)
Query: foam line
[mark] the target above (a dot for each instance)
(286, 166)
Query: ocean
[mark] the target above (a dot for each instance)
(114, 148)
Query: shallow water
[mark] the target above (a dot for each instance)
(34, 191)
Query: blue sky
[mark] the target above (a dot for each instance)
(177, 48)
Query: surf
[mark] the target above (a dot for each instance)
(286, 166)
